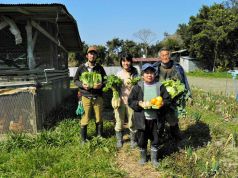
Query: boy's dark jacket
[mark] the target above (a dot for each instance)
(137, 94)
(91, 92)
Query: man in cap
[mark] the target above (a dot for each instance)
(168, 69)
(91, 97)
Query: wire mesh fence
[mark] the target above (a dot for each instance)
(26, 108)
(17, 111)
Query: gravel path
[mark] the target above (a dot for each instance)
(224, 86)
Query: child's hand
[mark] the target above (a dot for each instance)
(85, 86)
(141, 104)
(97, 86)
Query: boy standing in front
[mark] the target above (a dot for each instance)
(148, 122)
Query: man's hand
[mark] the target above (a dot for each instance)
(85, 86)
(97, 86)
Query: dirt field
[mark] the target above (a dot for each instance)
(128, 161)
(218, 86)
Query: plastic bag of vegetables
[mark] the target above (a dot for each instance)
(113, 83)
(80, 110)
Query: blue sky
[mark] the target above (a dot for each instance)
(102, 20)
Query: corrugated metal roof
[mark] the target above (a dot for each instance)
(6, 7)
(54, 12)
(29, 4)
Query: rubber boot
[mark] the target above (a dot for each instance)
(154, 157)
(119, 139)
(84, 134)
(99, 129)
(142, 156)
(133, 139)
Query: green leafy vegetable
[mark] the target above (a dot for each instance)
(134, 81)
(97, 78)
(91, 78)
(173, 87)
(113, 82)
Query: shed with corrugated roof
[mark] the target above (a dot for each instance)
(34, 75)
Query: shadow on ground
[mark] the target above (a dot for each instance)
(196, 135)
(67, 110)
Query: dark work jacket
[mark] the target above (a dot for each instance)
(177, 73)
(91, 92)
(137, 94)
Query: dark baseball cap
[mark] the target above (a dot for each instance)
(148, 66)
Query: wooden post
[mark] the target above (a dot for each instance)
(3, 25)
(34, 40)
(13, 29)
(30, 56)
(48, 35)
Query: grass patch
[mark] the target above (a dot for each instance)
(208, 148)
(200, 73)
(205, 151)
(58, 153)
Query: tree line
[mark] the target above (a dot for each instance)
(211, 37)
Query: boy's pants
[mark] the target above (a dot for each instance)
(150, 132)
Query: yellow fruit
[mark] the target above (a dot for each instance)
(159, 98)
(153, 100)
(158, 103)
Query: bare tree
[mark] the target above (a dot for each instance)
(146, 36)
(232, 4)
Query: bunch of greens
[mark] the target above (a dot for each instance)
(91, 78)
(113, 83)
(134, 81)
(173, 87)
